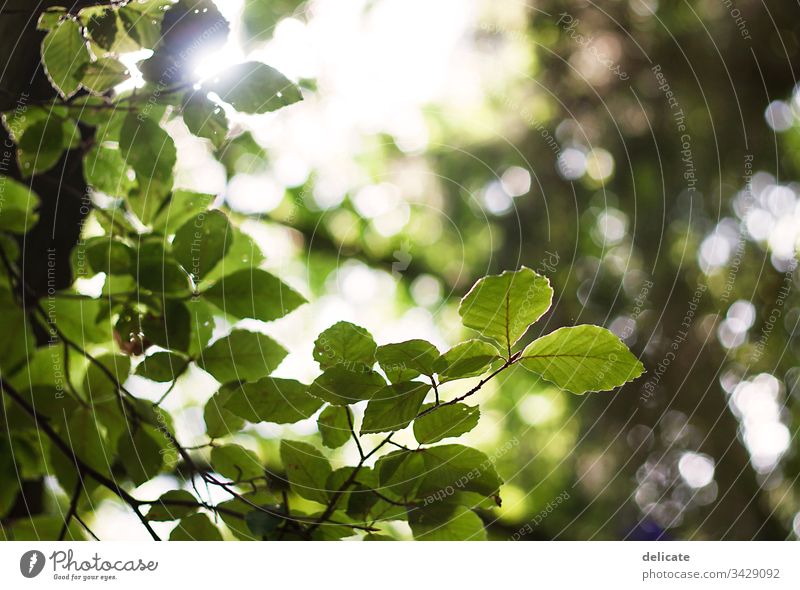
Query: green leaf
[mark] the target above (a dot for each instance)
(502, 307)
(205, 118)
(42, 143)
(404, 361)
(445, 422)
(97, 383)
(394, 407)
(41, 138)
(103, 74)
(84, 434)
(234, 511)
(79, 319)
(173, 505)
(460, 468)
(306, 469)
(182, 206)
(341, 387)
(242, 356)
(140, 455)
(192, 29)
(202, 242)
(242, 154)
(254, 293)
(150, 151)
(259, 18)
(65, 55)
(168, 329)
(108, 255)
(262, 524)
(49, 401)
(161, 367)
(336, 481)
(39, 527)
(581, 359)
(101, 24)
(44, 367)
(197, 527)
(19, 202)
(244, 254)
(468, 359)
(346, 345)
(236, 463)
(401, 473)
(50, 18)
(158, 271)
(254, 87)
(329, 531)
(106, 171)
(360, 500)
(219, 420)
(141, 20)
(334, 426)
(201, 316)
(446, 522)
(282, 401)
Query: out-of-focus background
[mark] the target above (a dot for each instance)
(642, 154)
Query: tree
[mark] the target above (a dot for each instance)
(87, 193)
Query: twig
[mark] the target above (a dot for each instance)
(82, 467)
(173, 384)
(331, 507)
(388, 500)
(85, 526)
(353, 432)
(511, 360)
(73, 507)
(435, 389)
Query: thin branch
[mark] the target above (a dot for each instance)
(85, 526)
(388, 500)
(353, 433)
(511, 360)
(182, 370)
(435, 389)
(399, 446)
(191, 504)
(145, 522)
(73, 507)
(331, 507)
(68, 377)
(44, 426)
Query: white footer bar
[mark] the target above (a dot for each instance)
(389, 566)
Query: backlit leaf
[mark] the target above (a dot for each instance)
(254, 293)
(445, 422)
(346, 345)
(404, 361)
(581, 359)
(254, 87)
(242, 356)
(502, 307)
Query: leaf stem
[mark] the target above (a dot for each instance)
(353, 433)
(511, 360)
